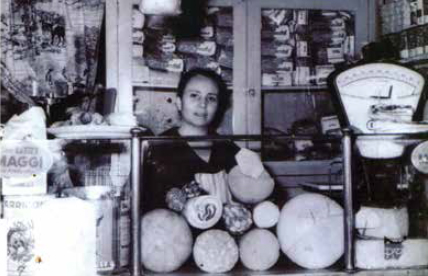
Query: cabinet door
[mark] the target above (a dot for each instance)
(147, 77)
(292, 47)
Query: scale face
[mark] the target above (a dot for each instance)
(379, 90)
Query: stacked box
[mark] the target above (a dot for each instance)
(212, 48)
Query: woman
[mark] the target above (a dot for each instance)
(202, 99)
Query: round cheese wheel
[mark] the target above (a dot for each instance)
(310, 230)
(203, 212)
(265, 214)
(215, 251)
(250, 190)
(259, 249)
(166, 240)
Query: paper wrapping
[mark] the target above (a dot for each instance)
(30, 125)
(376, 254)
(383, 223)
(20, 212)
(65, 238)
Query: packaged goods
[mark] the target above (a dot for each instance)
(30, 177)
(271, 65)
(382, 223)
(378, 254)
(197, 47)
(65, 238)
(169, 64)
(20, 212)
(106, 204)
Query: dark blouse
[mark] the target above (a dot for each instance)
(174, 164)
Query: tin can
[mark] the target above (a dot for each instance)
(19, 211)
(107, 209)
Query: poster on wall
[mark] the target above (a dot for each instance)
(49, 46)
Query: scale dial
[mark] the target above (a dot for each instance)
(378, 85)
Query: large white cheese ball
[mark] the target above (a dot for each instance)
(250, 190)
(310, 230)
(215, 251)
(259, 249)
(166, 240)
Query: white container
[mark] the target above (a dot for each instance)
(106, 204)
(20, 214)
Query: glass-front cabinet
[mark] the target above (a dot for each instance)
(275, 57)
(262, 49)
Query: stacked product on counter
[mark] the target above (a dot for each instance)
(95, 220)
(219, 219)
(163, 50)
(36, 221)
(383, 241)
(405, 24)
(292, 57)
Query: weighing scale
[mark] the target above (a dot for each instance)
(381, 98)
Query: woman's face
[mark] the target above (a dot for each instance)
(199, 102)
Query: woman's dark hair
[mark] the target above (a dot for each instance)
(223, 93)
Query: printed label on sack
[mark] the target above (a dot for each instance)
(393, 251)
(21, 158)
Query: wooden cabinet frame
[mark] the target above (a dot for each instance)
(247, 98)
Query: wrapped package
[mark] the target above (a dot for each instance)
(137, 19)
(21, 216)
(277, 50)
(382, 223)
(273, 64)
(202, 62)
(170, 64)
(197, 47)
(25, 139)
(65, 238)
(280, 78)
(378, 254)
